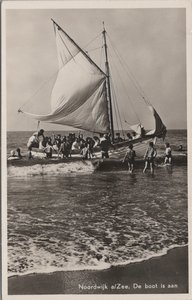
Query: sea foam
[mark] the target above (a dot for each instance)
(51, 169)
(73, 265)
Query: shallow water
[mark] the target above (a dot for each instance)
(81, 219)
(90, 221)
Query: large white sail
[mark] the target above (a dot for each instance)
(79, 96)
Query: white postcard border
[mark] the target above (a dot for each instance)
(91, 5)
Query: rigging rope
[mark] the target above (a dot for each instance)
(125, 87)
(91, 41)
(38, 123)
(101, 57)
(129, 73)
(116, 105)
(72, 56)
(91, 50)
(115, 88)
(38, 90)
(117, 108)
(28, 100)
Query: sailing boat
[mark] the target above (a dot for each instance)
(81, 96)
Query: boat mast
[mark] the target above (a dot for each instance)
(108, 83)
(79, 48)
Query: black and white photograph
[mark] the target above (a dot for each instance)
(95, 142)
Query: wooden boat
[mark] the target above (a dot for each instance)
(82, 98)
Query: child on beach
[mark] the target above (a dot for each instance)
(48, 150)
(149, 157)
(168, 155)
(130, 155)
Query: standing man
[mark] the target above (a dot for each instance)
(104, 145)
(34, 141)
(130, 155)
(149, 157)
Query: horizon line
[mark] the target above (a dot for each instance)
(87, 130)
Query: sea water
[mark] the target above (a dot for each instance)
(94, 220)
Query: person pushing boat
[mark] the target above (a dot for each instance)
(104, 145)
(149, 157)
(34, 140)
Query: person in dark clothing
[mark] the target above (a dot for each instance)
(65, 148)
(104, 145)
(118, 138)
(129, 136)
(18, 150)
(180, 148)
(143, 132)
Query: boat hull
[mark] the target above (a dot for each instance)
(39, 164)
(116, 164)
(98, 163)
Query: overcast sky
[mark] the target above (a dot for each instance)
(151, 41)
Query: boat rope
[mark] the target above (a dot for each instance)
(54, 74)
(38, 123)
(72, 56)
(115, 89)
(101, 58)
(116, 104)
(117, 108)
(129, 73)
(38, 90)
(27, 101)
(129, 124)
(91, 50)
(125, 88)
(91, 41)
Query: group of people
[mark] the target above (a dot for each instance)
(130, 136)
(66, 145)
(149, 157)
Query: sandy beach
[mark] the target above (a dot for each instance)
(163, 274)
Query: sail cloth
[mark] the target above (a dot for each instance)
(78, 97)
(160, 129)
(136, 128)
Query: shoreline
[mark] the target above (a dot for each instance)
(167, 273)
(126, 264)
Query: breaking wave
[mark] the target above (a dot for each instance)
(51, 169)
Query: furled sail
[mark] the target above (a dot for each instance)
(79, 95)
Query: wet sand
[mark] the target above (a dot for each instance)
(163, 274)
